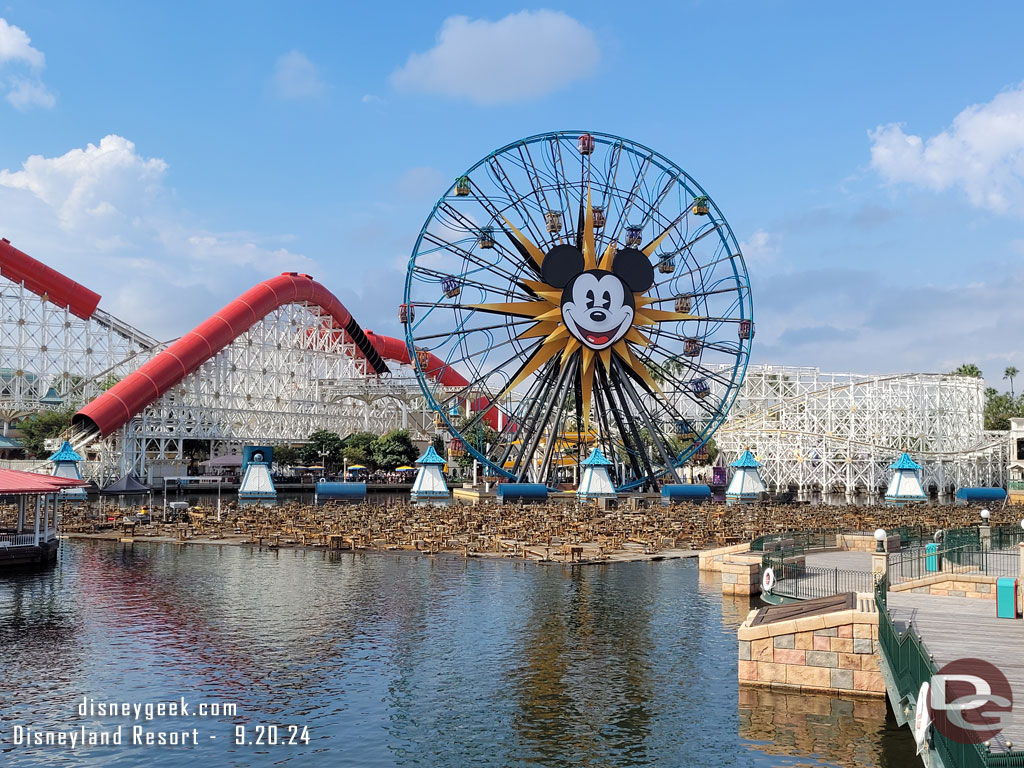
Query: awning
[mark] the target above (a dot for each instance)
(126, 486)
(14, 482)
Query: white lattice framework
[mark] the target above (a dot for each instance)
(287, 376)
(50, 359)
(839, 432)
(283, 379)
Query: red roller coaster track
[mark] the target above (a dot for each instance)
(115, 407)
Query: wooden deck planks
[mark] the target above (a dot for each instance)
(958, 628)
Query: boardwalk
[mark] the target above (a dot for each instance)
(941, 622)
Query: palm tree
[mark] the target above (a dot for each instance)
(1010, 373)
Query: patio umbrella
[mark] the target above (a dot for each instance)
(405, 469)
(356, 466)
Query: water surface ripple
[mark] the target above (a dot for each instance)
(405, 660)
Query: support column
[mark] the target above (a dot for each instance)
(38, 505)
(21, 514)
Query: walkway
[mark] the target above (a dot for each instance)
(941, 622)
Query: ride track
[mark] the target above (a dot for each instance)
(113, 409)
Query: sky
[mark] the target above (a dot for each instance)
(868, 156)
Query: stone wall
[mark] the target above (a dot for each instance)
(711, 559)
(976, 585)
(833, 653)
(865, 542)
(741, 575)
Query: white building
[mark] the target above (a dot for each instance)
(65, 464)
(905, 485)
(1015, 487)
(746, 485)
(430, 483)
(595, 482)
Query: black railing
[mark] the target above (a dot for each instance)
(801, 582)
(972, 559)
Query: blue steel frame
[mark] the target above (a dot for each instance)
(726, 235)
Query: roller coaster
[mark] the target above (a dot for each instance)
(838, 433)
(282, 360)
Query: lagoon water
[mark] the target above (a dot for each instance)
(403, 660)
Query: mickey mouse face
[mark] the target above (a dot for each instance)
(597, 305)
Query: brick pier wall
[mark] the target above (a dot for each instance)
(976, 585)
(834, 653)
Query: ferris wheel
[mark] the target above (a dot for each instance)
(574, 291)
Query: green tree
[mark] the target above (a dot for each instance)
(358, 449)
(195, 450)
(39, 427)
(394, 449)
(1010, 373)
(1000, 407)
(479, 436)
(967, 369)
(286, 455)
(323, 445)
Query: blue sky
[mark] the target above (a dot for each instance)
(870, 157)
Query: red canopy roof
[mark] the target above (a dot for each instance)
(14, 482)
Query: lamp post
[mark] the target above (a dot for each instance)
(880, 537)
(880, 558)
(985, 533)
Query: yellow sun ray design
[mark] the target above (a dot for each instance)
(561, 346)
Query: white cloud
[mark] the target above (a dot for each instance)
(26, 93)
(105, 216)
(370, 98)
(521, 57)
(24, 90)
(15, 45)
(981, 153)
(296, 78)
(762, 247)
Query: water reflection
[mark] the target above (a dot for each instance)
(850, 732)
(396, 660)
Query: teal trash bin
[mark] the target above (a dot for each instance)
(1006, 598)
(931, 560)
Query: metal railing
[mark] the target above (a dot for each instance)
(18, 539)
(801, 582)
(910, 664)
(793, 540)
(918, 564)
(1007, 536)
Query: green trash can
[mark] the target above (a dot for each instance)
(931, 560)
(1006, 598)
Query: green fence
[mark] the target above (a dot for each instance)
(916, 563)
(802, 582)
(910, 664)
